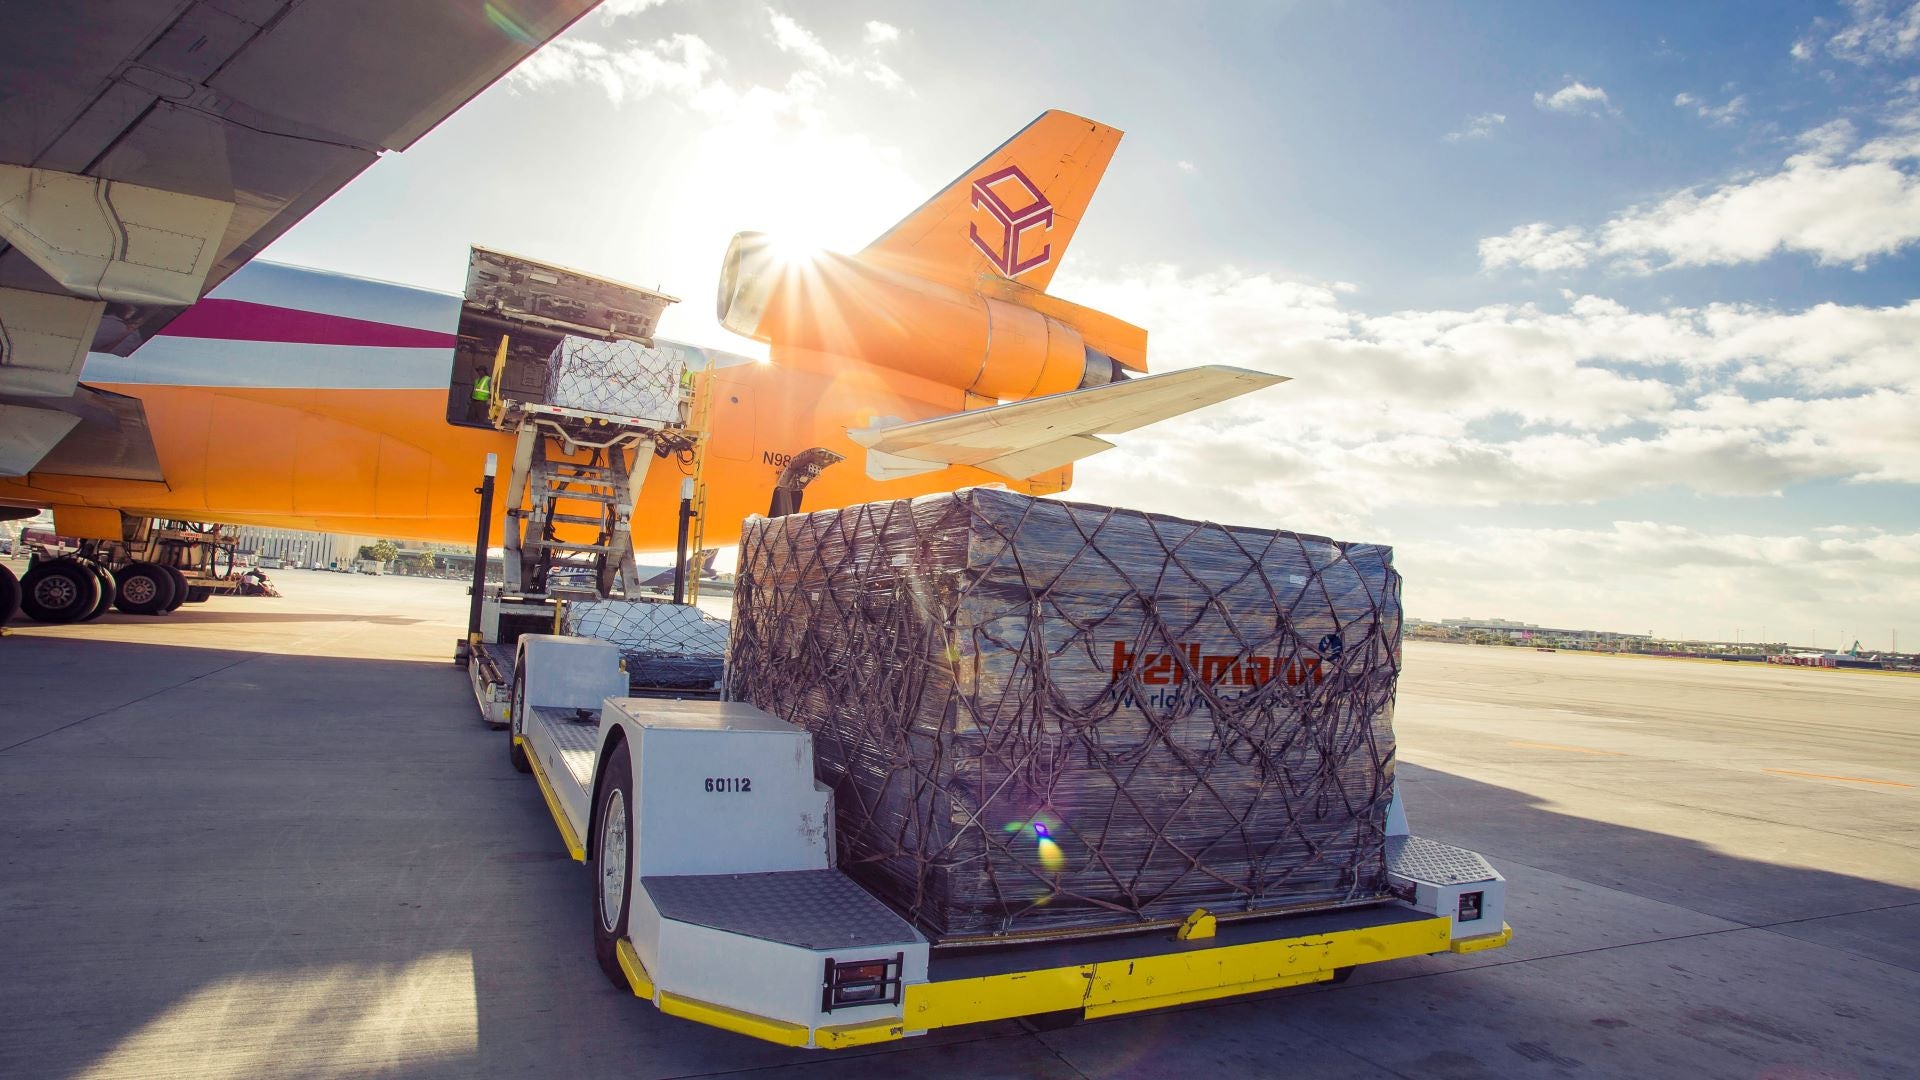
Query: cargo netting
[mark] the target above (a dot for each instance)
(666, 646)
(1041, 716)
(616, 378)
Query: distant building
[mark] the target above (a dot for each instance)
(1520, 631)
(322, 549)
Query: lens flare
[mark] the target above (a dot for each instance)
(789, 250)
(1052, 856)
(507, 23)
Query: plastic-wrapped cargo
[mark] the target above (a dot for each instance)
(666, 646)
(618, 378)
(1041, 716)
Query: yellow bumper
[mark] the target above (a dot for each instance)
(1106, 988)
(1152, 982)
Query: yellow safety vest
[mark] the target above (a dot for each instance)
(483, 388)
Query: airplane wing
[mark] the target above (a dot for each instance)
(1023, 438)
(148, 150)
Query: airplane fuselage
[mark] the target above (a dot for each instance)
(299, 399)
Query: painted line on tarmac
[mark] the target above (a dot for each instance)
(1568, 749)
(127, 704)
(1829, 776)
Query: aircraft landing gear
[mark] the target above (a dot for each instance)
(9, 594)
(143, 588)
(180, 587)
(106, 589)
(60, 591)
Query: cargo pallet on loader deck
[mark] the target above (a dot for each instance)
(716, 896)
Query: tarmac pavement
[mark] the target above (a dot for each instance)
(270, 837)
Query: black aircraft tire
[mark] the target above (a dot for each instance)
(9, 594)
(105, 603)
(181, 589)
(613, 812)
(59, 591)
(144, 589)
(199, 594)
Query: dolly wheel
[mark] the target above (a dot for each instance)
(610, 865)
(180, 587)
(516, 753)
(9, 594)
(145, 589)
(59, 591)
(199, 594)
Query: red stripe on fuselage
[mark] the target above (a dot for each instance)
(239, 320)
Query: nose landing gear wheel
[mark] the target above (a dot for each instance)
(144, 589)
(59, 591)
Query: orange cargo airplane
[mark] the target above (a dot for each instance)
(931, 360)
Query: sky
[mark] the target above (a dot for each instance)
(1604, 317)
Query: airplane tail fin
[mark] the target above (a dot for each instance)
(1013, 213)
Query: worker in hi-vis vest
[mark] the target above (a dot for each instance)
(483, 386)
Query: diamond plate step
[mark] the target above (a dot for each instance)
(1419, 859)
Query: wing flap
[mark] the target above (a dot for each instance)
(1023, 438)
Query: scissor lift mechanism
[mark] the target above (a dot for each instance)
(718, 900)
(576, 473)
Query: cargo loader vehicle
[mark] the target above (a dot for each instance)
(715, 893)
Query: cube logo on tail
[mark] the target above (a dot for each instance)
(992, 193)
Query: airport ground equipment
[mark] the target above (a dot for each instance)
(566, 364)
(715, 895)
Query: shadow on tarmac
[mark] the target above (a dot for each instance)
(217, 616)
(205, 617)
(233, 864)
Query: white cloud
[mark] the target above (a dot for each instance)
(793, 38)
(1480, 126)
(1840, 203)
(613, 10)
(796, 40)
(879, 33)
(1539, 247)
(1603, 400)
(1186, 166)
(1875, 31)
(1722, 115)
(678, 65)
(1575, 97)
(1640, 576)
(1505, 405)
(686, 68)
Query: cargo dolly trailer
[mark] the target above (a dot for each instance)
(716, 896)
